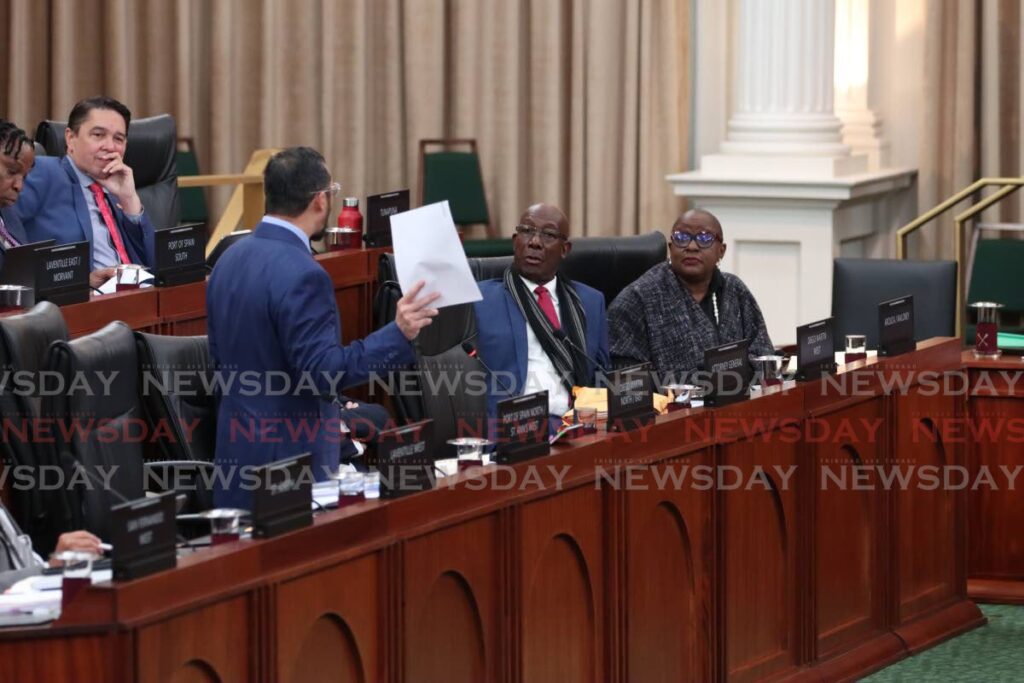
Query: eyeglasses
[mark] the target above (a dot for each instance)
(547, 237)
(704, 239)
(333, 189)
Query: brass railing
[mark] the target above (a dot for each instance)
(246, 204)
(1007, 186)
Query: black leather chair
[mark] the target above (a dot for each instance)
(24, 342)
(443, 392)
(607, 264)
(108, 451)
(859, 285)
(174, 376)
(223, 245)
(152, 155)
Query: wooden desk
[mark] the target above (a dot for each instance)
(181, 310)
(996, 514)
(585, 570)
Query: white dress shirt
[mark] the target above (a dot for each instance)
(541, 374)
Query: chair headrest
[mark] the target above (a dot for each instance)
(151, 151)
(107, 355)
(28, 336)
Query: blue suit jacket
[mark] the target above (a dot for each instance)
(272, 317)
(52, 206)
(13, 224)
(501, 330)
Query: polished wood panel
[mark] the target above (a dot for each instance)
(562, 588)
(669, 602)
(137, 309)
(328, 626)
(452, 614)
(994, 436)
(207, 644)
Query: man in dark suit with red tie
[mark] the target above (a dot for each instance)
(89, 194)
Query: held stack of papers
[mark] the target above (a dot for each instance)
(427, 247)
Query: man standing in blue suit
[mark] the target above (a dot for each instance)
(89, 194)
(271, 311)
(17, 156)
(533, 325)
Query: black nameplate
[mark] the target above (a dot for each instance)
(815, 354)
(404, 459)
(180, 254)
(630, 398)
(282, 499)
(379, 210)
(20, 264)
(727, 374)
(896, 326)
(143, 535)
(62, 273)
(523, 427)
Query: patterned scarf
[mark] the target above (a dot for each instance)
(570, 362)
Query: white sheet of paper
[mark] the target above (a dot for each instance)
(110, 286)
(427, 248)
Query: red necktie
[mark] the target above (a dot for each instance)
(108, 218)
(548, 306)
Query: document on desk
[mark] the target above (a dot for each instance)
(427, 247)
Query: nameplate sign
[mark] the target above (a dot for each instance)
(405, 460)
(630, 398)
(62, 273)
(379, 210)
(896, 326)
(143, 535)
(815, 354)
(180, 255)
(727, 374)
(523, 428)
(282, 499)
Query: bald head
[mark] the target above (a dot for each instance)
(701, 218)
(538, 255)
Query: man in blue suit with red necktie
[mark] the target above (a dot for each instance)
(271, 308)
(89, 194)
(542, 331)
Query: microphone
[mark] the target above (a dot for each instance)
(471, 351)
(561, 336)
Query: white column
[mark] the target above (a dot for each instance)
(783, 96)
(862, 128)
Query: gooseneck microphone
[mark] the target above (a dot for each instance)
(471, 351)
(561, 336)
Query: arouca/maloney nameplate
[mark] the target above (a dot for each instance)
(630, 398)
(523, 427)
(815, 353)
(143, 535)
(62, 273)
(282, 499)
(404, 460)
(896, 326)
(180, 254)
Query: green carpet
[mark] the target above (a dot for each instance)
(993, 653)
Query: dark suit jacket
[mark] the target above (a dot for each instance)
(502, 337)
(13, 224)
(52, 206)
(271, 309)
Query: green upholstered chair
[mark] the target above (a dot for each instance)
(993, 277)
(450, 169)
(193, 199)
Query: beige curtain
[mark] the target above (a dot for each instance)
(949, 134)
(581, 102)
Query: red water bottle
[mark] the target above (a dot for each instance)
(351, 221)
